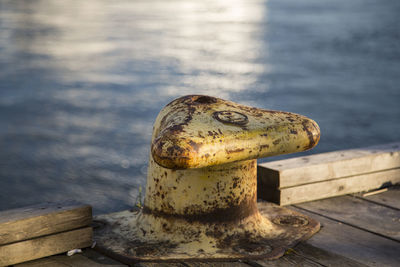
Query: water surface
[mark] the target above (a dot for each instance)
(81, 82)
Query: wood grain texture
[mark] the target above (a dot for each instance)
(87, 258)
(330, 188)
(63, 261)
(159, 264)
(358, 212)
(43, 219)
(45, 262)
(323, 257)
(79, 260)
(390, 198)
(353, 243)
(331, 165)
(192, 264)
(100, 258)
(45, 246)
(289, 260)
(216, 264)
(307, 255)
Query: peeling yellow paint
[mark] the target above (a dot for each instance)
(190, 132)
(201, 193)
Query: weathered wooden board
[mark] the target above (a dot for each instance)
(192, 264)
(360, 213)
(45, 262)
(65, 261)
(161, 264)
(307, 255)
(100, 258)
(44, 219)
(390, 198)
(80, 260)
(216, 264)
(89, 258)
(353, 243)
(329, 188)
(323, 257)
(289, 260)
(331, 165)
(45, 246)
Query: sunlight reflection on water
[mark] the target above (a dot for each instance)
(81, 82)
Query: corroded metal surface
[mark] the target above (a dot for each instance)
(218, 193)
(199, 131)
(201, 193)
(117, 236)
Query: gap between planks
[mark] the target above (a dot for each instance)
(390, 198)
(307, 255)
(88, 258)
(359, 213)
(353, 243)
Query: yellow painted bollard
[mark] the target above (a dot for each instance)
(201, 193)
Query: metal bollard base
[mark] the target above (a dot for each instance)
(118, 235)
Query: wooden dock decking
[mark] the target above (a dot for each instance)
(356, 230)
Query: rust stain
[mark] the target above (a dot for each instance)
(204, 99)
(277, 141)
(313, 139)
(231, 214)
(234, 150)
(264, 146)
(196, 146)
(181, 132)
(202, 178)
(291, 220)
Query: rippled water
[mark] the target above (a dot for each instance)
(81, 82)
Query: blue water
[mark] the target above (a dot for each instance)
(81, 82)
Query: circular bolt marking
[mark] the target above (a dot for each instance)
(231, 117)
(290, 220)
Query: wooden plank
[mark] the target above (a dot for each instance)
(307, 255)
(290, 259)
(159, 264)
(63, 261)
(192, 264)
(45, 246)
(353, 243)
(323, 257)
(331, 165)
(100, 258)
(43, 219)
(330, 188)
(89, 257)
(390, 198)
(79, 260)
(45, 262)
(216, 264)
(360, 213)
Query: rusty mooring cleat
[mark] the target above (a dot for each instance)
(201, 194)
